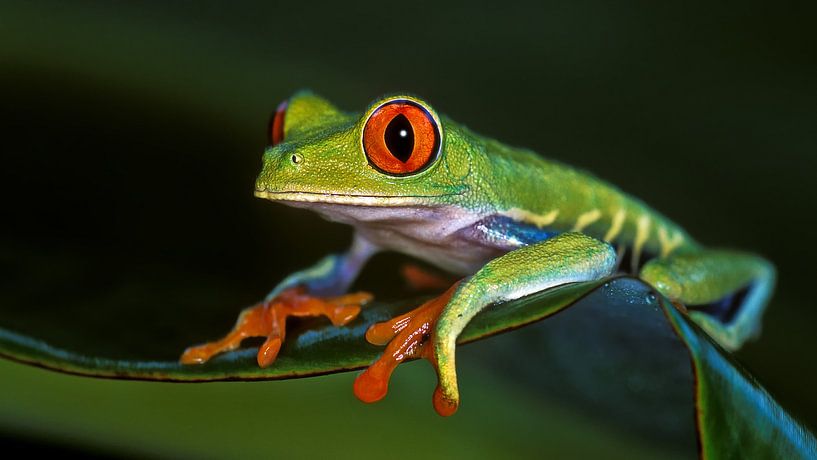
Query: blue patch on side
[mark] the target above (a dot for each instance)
(726, 309)
(504, 231)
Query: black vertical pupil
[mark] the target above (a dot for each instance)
(399, 137)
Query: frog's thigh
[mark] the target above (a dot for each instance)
(565, 258)
(726, 291)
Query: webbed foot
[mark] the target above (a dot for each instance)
(408, 336)
(268, 319)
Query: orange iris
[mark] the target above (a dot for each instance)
(401, 138)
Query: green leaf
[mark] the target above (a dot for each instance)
(619, 348)
(735, 415)
(312, 348)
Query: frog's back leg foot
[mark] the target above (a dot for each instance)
(421, 279)
(725, 292)
(268, 319)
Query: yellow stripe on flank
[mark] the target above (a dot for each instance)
(668, 245)
(641, 234)
(615, 227)
(586, 219)
(539, 220)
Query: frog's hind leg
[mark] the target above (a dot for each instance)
(725, 292)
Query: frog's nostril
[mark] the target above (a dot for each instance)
(296, 159)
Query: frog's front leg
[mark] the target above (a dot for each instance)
(431, 331)
(333, 274)
(315, 291)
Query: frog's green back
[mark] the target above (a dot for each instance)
(525, 186)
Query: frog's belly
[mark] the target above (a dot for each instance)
(441, 235)
(454, 252)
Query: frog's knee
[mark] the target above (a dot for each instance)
(660, 276)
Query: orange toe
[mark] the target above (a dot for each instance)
(408, 336)
(443, 405)
(373, 384)
(268, 351)
(421, 279)
(343, 314)
(195, 355)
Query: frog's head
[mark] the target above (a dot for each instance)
(397, 153)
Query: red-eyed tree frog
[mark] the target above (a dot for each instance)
(504, 220)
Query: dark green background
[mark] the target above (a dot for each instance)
(132, 135)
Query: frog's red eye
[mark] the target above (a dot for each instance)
(401, 137)
(276, 124)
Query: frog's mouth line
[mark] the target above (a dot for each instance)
(362, 200)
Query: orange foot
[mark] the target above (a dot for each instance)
(408, 336)
(268, 319)
(420, 279)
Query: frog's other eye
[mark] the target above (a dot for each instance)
(401, 137)
(275, 130)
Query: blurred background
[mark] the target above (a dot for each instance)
(132, 134)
